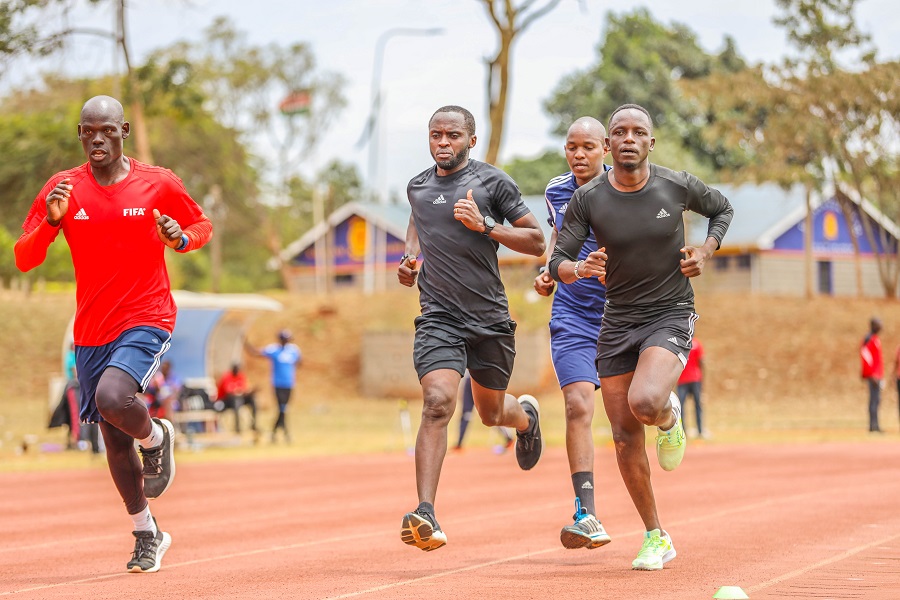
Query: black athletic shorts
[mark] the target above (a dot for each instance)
(621, 343)
(444, 342)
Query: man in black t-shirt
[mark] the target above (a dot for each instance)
(635, 212)
(458, 210)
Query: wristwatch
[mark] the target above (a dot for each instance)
(489, 224)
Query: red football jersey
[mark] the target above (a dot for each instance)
(120, 268)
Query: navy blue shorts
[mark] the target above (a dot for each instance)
(137, 351)
(573, 348)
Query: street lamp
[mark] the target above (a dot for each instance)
(376, 251)
(372, 133)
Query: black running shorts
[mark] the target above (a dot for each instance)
(443, 342)
(621, 343)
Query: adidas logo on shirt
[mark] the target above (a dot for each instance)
(439, 200)
(587, 485)
(662, 214)
(81, 215)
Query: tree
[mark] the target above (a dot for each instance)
(532, 174)
(509, 20)
(38, 128)
(243, 85)
(812, 121)
(643, 61)
(23, 31)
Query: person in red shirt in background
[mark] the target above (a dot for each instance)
(234, 392)
(897, 374)
(873, 370)
(691, 382)
(118, 216)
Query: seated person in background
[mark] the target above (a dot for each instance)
(162, 392)
(234, 392)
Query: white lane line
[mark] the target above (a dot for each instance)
(822, 563)
(499, 561)
(340, 539)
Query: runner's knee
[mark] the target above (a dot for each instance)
(437, 406)
(646, 406)
(579, 409)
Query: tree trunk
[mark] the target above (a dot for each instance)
(509, 20)
(498, 87)
(847, 206)
(139, 129)
(133, 92)
(808, 245)
(887, 278)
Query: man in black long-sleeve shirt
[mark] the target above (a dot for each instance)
(635, 211)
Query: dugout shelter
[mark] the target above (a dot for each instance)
(208, 336)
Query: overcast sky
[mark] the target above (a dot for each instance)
(421, 74)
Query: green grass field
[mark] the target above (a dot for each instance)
(778, 369)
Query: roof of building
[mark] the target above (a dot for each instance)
(394, 219)
(763, 212)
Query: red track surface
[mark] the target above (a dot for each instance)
(788, 521)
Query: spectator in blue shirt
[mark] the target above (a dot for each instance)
(285, 357)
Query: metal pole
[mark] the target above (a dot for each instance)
(374, 122)
(373, 131)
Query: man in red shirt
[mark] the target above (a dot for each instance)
(691, 382)
(118, 216)
(235, 392)
(873, 370)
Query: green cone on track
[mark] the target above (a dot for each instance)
(731, 592)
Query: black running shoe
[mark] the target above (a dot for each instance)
(420, 529)
(148, 550)
(159, 462)
(528, 444)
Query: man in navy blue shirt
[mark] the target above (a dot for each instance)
(574, 328)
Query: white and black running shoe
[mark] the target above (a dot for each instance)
(159, 462)
(148, 550)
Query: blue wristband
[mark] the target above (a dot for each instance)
(184, 242)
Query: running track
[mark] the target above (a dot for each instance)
(784, 521)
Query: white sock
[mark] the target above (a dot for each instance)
(143, 521)
(155, 438)
(677, 414)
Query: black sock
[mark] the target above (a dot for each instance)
(583, 482)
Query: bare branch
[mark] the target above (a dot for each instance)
(537, 14)
(489, 5)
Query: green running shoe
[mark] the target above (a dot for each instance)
(670, 444)
(656, 551)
